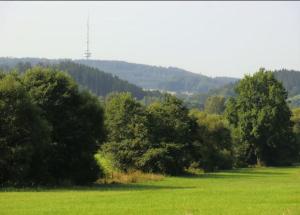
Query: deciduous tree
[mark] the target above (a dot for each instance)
(262, 117)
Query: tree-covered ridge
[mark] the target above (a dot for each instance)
(157, 77)
(100, 83)
(144, 76)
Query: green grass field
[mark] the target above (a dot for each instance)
(247, 191)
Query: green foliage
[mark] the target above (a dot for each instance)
(262, 118)
(76, 125)
(296, 127)
(296, 120)
(152, 139)
(51, 128)
(215, 105)
(23, 135)
(163, 158)
(169, 120)
(170, 134)
(212, 146)
(126, 124)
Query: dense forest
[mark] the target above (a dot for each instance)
(51, 129)
(97, 81)
(144, 76)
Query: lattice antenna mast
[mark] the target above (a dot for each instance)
(87, 53)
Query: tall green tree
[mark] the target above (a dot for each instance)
(262, 117)
(170, 130)
(76, 121)
(127, 132)
(23, 135)
(152, 139)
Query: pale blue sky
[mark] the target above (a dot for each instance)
(212, 38)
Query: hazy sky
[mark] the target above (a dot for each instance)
(212, 38)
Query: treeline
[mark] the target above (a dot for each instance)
(51, 130)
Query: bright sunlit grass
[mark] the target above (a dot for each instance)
(255, 191)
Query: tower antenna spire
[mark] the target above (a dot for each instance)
(87, 53)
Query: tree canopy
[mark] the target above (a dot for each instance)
(50, 130)
(23, 134)
(262, 117)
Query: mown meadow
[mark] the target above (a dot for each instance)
(267, 191)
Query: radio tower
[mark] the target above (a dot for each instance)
(87, 53)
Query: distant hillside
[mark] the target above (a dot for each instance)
(290, 80)
(99, 82)
(152, 77)
(162, 78)
(144, 76)
(93, 79)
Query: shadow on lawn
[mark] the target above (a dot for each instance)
(96, 187)
(243, 173)
(238, 174)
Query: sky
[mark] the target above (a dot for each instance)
(211, 38)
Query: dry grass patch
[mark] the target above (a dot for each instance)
(130, 177)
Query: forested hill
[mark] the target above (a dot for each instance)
(99, 82)
(144, 76)
(150, 77)
(162, 78)
(93, 79)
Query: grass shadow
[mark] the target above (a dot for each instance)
(96, 187)
(241, 173)
(238, 173)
